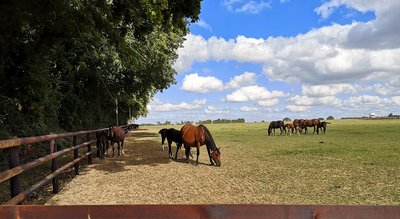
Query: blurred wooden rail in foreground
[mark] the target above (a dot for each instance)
(201, 211)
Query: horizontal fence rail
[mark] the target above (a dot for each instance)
(12, 147)
(202, 211)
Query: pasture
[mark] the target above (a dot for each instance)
(356, 162)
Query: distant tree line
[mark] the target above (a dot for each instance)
(66, 65)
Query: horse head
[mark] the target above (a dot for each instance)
(216, 156)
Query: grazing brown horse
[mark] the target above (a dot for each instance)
(117, 135)
(102, 143)
(291, 127)
(196, 136)
(311, 123)
(322, 126)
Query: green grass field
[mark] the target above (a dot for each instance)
(356, 162)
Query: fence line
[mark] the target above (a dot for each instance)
(12, 146)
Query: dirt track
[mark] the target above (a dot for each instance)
(145, 175)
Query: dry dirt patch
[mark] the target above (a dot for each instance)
(145, 175)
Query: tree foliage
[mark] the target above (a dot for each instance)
(63, 63)
(330, 118)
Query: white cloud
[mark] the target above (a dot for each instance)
(195, 83)
(246, 6)
(248, 109)
(368, 100)
(385, 89)
(327, 90)
(240, 80)
(396, 100)
(213, 110)
(255, 93)
(315, 101)
(295, 108)
(157, 106)
(380, 33)
(201, 23)
(361, 51)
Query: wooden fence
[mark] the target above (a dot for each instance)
(13, 146)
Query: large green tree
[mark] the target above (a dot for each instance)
(64, 63)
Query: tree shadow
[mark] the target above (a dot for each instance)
(141, 148)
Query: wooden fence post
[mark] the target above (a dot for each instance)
(76, 154)
(15, 182)
(89, 148)
(54, 166)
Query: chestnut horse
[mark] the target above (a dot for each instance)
(196, 136)
(311, 123)
(172, 135)
(117, 135)
(291, 127)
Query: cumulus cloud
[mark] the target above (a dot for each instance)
(327, 90)
(367, 100)
(245, 6)
(158, 106)
(248, 109)
(380, 33)
(195, 83)
(255, 93)
(201, 23)
(396, 100)
(240, 80)
(295, 108)
(385, 89)
(213, 110)
(361, 51)
(315, 101)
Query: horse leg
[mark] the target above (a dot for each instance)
(209, 156)
(198, 153)
(122, 147)
(178, 146)
(169, 148)
(187, 152)
(112, 145)
(162, 142)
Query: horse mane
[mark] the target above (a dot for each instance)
(209, 139)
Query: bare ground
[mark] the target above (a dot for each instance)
(145, 175)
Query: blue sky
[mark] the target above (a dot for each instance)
(267, 60)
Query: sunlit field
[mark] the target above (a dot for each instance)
(357, 162)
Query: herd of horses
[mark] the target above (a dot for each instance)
(297, 126)
(115, 134)
(189, 135)
(196, 136)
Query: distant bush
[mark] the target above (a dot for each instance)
(330, 118)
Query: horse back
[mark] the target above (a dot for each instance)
(189, 135)
(117, 133)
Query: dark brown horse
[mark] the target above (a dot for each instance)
(322, 126)
(276, 125)
(311, 123)
(102, 143)
(172, 135)
(196, 136)
(117, 135)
